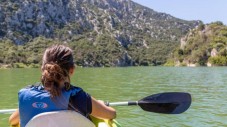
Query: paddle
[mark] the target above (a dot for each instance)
(167, 103)
(3, 111)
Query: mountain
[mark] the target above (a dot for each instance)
(206, 45)
(133, 34)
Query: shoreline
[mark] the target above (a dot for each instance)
(22, 65)
(18, 65)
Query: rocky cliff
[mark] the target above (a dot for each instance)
(128, 23)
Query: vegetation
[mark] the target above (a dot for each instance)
(103, 51)
(205, 44)
(21, 56)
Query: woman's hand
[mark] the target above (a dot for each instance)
(100, 110)
(14, 118)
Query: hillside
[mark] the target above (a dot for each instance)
(204, 46)
(101, 32)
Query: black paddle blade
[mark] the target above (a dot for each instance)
(167, 103)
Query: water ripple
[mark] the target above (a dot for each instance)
(206, 85)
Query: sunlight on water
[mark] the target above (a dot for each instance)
(208, 87)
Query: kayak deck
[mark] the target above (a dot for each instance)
(105, 123)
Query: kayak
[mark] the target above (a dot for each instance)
(68, 118)
(105, 123)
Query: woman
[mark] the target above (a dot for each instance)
(55, 91)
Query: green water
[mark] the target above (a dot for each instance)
(208, 87)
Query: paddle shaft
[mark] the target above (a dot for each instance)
(129, 103)
(108, 104)
(7, 111)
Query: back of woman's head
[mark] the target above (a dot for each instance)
(57, 61)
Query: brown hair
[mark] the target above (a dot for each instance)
(57, 61)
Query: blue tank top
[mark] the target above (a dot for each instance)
(35, 99)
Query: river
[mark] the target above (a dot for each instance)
(208, 87)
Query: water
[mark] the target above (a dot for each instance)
(208, 87)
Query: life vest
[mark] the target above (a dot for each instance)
(35, 99)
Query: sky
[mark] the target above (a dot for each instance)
(205, 10)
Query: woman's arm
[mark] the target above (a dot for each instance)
(14, 118)
(100, 110)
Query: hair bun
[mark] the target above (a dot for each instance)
(52, 77)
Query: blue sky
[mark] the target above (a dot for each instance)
(205, 10)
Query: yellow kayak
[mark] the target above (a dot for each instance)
(105, 123)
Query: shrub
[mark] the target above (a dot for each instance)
(218, 60)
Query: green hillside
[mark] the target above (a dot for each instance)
(204, 46)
